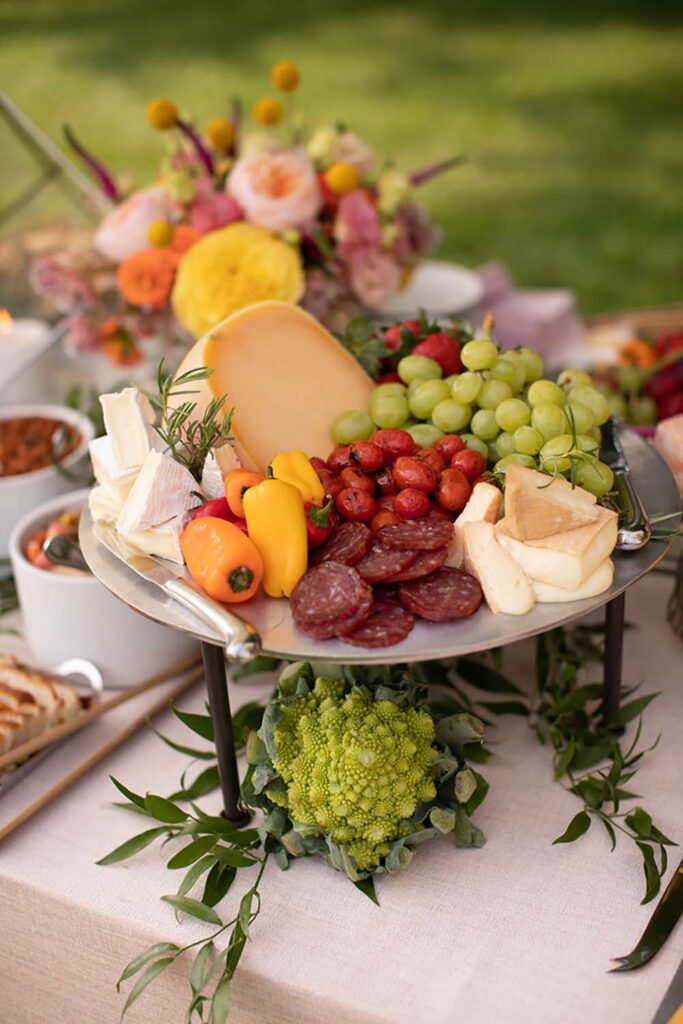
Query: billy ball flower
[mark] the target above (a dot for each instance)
(285, 76)
(160, 233)
(162, 115)
(220, 133)
(268, 111)
(342, 178)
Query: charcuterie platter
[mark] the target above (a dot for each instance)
(273, 620)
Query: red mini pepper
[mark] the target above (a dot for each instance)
(319, 522)
(218, 508)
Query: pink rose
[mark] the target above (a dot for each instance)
(52, 277)
(124, 231)
(374, 278)
(349, 148)
(356, 228)
(277, 190)
(211, 209)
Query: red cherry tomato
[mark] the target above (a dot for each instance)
(411, 472)
(453, 490)
(368, 456)
(412, 503)
(449, 445)
(387, 501)
(432, 458)
(439, 512)
(383, 517)
(392, 335)
(469, 462)
(394, 443)
(354, 504)
(332, 485)
(340, 458)
(385, 481)
(354, 478)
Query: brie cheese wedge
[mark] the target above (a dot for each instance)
(115, 480)
(597, 583)
(506, 588)
(129, 422)
(163, 489)
(103, 506)
(162, 541)
(483, 506)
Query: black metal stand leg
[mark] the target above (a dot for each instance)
(614, 649)
(219, 703)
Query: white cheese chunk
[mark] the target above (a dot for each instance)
(162, 490)
(129, 420)
(162, 541)
(566, 559)
(537, 506)
(597, 583)
(115, 480)
(506, 588)
(483, 506)
(212, 479)
(104, 507)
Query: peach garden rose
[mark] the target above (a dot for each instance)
(277, 190)
(124, 231)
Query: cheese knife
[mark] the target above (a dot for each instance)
(634, 524)
(659, 927)
(240, 639)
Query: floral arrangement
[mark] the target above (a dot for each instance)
(235, 216)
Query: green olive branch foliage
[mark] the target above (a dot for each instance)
(564, 711)
(189, 439)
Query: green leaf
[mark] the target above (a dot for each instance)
(201, 724)
(579, 824)
(457, 729)
(195, 908)
(479, 794)
(198, 972)
(164, 810)
(485, 678)
(218, 882)
(367, 887)
(202, 755)
(259, 664)
(609, 828)
(659, 837)
(564, 759)
(233, 858)
(220, 1004)
(134, 798)
(206, 782)
(244, 913)
(192, 852)
(194, 874)
(587, 757)
(131, 846)
(144, 980)
(505, 707)
(236, 945)
(149, 954)
(443, 819)
(629, 711)
(640, 821)
(652, 879)
(465, 785)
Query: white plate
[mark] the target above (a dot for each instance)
(442, 289)
(272, 618)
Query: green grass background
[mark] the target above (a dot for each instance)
(571, 115)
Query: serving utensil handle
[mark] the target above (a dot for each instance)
(634, 523)
(240, 639)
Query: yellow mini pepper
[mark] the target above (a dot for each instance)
(295, 468)
(276, 522)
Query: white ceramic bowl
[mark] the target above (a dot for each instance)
(76, 616)
(443, 289)
(26, 491)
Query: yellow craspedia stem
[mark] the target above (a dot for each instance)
(341, 178)
(162, 115)
(268, 111)
(285, 76)
(231, 268)
(220, 133)
(160, 234)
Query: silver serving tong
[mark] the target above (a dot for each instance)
(634, 524)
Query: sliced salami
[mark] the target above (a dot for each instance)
(443, 596)
(419, 534)
(422, 565)
(347, 545)
(382, 563)
(328, 598)
(387, 624)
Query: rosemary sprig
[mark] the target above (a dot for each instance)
(188, 438)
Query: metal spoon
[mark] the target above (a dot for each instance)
(61, 550)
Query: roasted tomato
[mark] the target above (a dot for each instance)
(394, 443)
(433, 458)
(412, 472)
(412, 503)
(354, 478)
(356, 505)
(449, 445)
(385, 481)
(369, 456)
(383, 517)
(469, 462)
(453, 490)
(340, 458)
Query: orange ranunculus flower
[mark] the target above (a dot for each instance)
(146, 278)
(184, 236)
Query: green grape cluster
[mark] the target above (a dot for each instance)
(501, 405)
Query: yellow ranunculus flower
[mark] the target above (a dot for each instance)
(231, 268)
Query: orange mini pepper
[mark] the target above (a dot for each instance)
(221, 559)
(237, 481)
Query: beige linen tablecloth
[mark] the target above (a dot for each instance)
(519, 931)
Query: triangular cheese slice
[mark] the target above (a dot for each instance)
(537, 505)
(506, 588)
(483, 506)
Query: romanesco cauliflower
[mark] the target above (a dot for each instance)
(354, 767)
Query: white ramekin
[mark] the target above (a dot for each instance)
(76, 616)
(26, 491)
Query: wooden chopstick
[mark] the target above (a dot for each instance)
(81, 769)
(72, 725)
